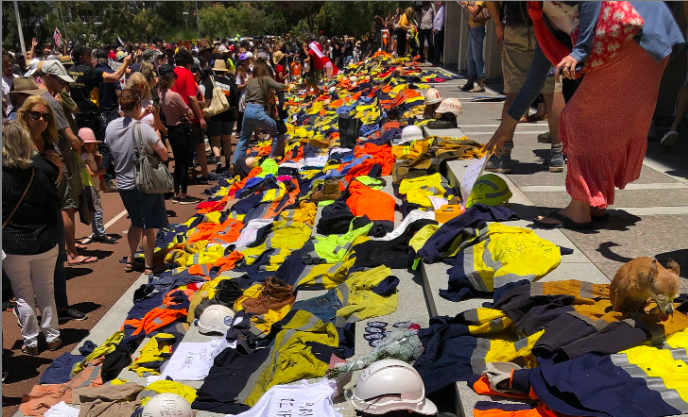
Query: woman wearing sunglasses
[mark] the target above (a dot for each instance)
(30, 207)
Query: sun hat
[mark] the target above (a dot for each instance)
(26, 85)
(277, 57)
(120, 55)
(87, 136)
(220, 65)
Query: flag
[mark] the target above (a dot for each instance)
(57, 36)
(121, 42)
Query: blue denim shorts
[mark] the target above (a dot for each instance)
(146, 211)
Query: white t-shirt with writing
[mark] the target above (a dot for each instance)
(192, 361)
(300, 399)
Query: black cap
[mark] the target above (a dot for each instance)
(195, 68)
(165, 69)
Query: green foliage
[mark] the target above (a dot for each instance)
(96, 22)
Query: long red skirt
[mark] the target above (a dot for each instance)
(604, 126)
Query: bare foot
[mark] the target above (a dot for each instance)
(81, 260)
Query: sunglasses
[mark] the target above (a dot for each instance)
(36, 115)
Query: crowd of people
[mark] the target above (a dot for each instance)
(74, 124)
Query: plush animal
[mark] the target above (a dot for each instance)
(642, 280)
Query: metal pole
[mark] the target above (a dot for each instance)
(64, 27)
(21, 32)
(198, 20)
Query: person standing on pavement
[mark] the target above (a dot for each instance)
(109, 97)
(438, 32)
(55, 79)
(185, 85)
(425, 27)
(146, 211)
(405, 23)
(605, 143)
(516, 35)
(474, 51)
(86, 79)
(221, 125)
(29, 238)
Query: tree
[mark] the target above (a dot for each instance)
(299, 10)
(38, 19)
(353, 18)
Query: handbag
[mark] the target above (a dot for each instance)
(219, 103)
(617, 24)
(33, 172)
(86, 205)
(482, 16)
(151, 175)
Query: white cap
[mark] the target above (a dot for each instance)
(56, 69)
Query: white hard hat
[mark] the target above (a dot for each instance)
(450, 105)
(390, 385)
(432, 96)
(215, 318)
(410, 133)
(167, 404)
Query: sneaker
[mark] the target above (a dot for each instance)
(175, 199)
(189, 200)
(30, 350)
(669, 140)
(111, 187)
(478, 89)
(71, 314)
(499, 163)
(55, 344)
(544, 138)
(556, 161)
(104, 239)
(468, 86)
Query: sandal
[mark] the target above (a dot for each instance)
(148, 271)
(30, 350)
(129, 266)
(82, 245)
(564, 222)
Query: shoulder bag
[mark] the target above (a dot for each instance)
(219, 102)
(151, 175)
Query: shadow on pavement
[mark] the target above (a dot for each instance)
(605, 249)
(679, 255)
(619, 220)
(75, 272)
(21, 366)
(87, 306)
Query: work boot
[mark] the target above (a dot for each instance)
(556, 158)
(330, 191)
(274, 295)
(544, 138)
(501, 161)
(480, 88)
(469, 85)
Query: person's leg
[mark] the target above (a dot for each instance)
(97, 227)
(42, 269)
(554, 104)
(226, 137)
(197, 138)
(133, 238)
(479, 40)
(670, 138)
(470, 59)
(73, 257)
(60, 274)
(148, 247)
(18, 269)
(421, 40)
(439, 47)
(180, 147)
(431, 45)
(249, 125)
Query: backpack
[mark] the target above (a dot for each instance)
(219, 103)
